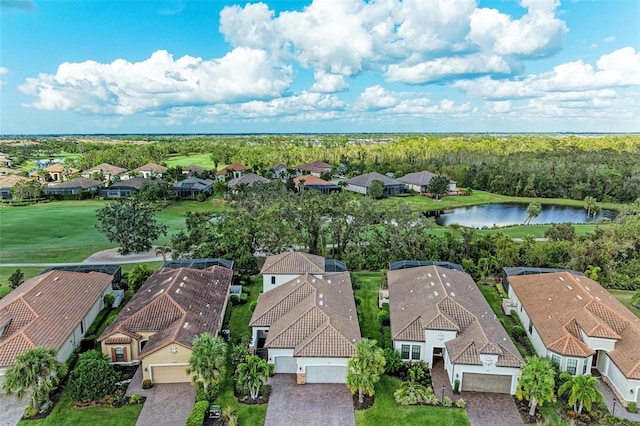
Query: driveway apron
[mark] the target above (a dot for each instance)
(11, 410)
(167, 404)
(312, 404)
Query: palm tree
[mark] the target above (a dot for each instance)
(163, 251)
(207, 361)
(252, 373)
(35, 372)
(364, 368)
(536, 382)
(589, 204)
(592, 272)
(534, 210)
(486, 265)
(582, 390)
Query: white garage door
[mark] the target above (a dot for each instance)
(474, 382)
(326, 374)
(285, 364)
(169, 374)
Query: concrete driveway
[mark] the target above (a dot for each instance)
(11, 410)
(308, 405)
(167, 404)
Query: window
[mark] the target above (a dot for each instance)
(556, 359)
(273, 280)
(415, 352)
(82, 327)
(572, 365)
(404, 353)
(119, 354)
(530, 327)
(584, 367)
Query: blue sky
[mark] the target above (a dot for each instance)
(217, 66)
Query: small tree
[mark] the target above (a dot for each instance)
(364, 368)
(131, 223)
(582, 390)
(252, 373)
(93, 378)
(109, 300)
(35, 373)
(438, 185)
(163, 251)
(376, 189)
(16, 279)
(138, 276)
(536, 382)
(534, 210)
(207, 362)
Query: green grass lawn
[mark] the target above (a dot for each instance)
(368, 309)
(202, 160)
(64, 231)
(624, 296)
(64, 414)
(386, 412)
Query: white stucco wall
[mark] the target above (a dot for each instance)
(303, 363)
(623, 385)
(597, 343)
(73, 340)
(489, 367)
(273, 353)
(358, 189)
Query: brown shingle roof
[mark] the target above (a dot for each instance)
(315, 317)
(292, 263)
(79, 182)
(366, 180)
(178, 304)
(437, 298)
(46, 309)
(562, 305)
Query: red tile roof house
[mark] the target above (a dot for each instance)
(307, 325)
(53, 310)
(232, 171)
(578, 324)
(156, 328)
(438, 314)
(315, 168)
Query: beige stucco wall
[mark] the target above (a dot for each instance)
(164, 356)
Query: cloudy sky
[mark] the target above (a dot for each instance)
(217, 66)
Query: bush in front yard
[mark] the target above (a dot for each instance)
(146, 384)
(196, 418)
(93, 378)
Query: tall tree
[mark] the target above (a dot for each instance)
(252, 374)
(536, 382)
(131, 223)
(16, 279)
(438, 185)
(534, 210)
(35, 373)
(364, 368)
(376, 189)
(589, 205)
(207, 362)
(582, 390)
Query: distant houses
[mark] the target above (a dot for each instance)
(232, 171)
(193, 187)
(362, 183)
(249, 179)
(315, 168)
(307, 182)
(107, 171)
(151, 170)
(125, 188)
(74, 186)
(420, 180)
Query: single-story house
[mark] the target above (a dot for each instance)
(418, 181)
(125, 188)
(308, 182)
(308, 326)
(438, 315)
(108, 171)
(281, 268)
(53, 310)
(249, 179)
(157, 327)
(151, 170)
(192, 187)
(232, 171)
(362, 183)
(73, 186)
(58, 172)
(5, 160)
(194, 170)
(7, 172)
(577, 323)
(7, 183)
(315, 168)
(279, 171)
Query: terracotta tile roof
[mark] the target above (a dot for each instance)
(366, 179)
(46, 309)
(250, 179)
(293, 263)
(152, 167)
(315, 317)
(178, 304)
(117, 340)
(11, 180)
(438, 298)
(311, 180)
(582, 305)
(237, 167)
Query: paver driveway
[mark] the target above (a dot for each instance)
(11, 410)
(167, 404)
(308, 405)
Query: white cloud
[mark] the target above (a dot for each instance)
(3, 71)
(376, 98)
(158, 82)
(328, 83)
(610, 39)
(499, 107)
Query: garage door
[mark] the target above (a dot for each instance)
(169, 374)
(326, 374)
(285, 364)
(474, 382)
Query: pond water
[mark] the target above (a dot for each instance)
(488, 215)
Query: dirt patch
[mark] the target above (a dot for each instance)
(367, 402)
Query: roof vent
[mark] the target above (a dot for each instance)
(350, 318)
(432, 283)
(579, 297)
(453, 294)
(38, 294)
(177, 290)
(429, 274)
(411, 291)
(448, 284)
(321, 296)
(298, 281)
(561, 279)
(313, 281)
(598, 299)
(435, 293)
(322, 303)
(56, 278)
(586, 288)
(549, 298)
(444, 275)
(186, 325)
(569, 287)
(329, 281)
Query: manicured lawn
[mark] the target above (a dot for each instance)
(65, 415)
(368, 309)
(202, 160)
(64, 231)
(241, 314)
(624, 296)
(386, 412)
(538, 231)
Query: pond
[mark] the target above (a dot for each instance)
(488, 215)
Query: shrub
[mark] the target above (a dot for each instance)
(109, 300)
(239, 352)
(355, 281)
(146, 384)
(633, 407)
(238, 300)
(135, 399)
(201, 395)
(431, 399)
(394, 362)
(93, 378)
(252, 305)
(358, 300)
(447, 402)
(200, 197)
(196, 418)
(585, 418)
(387, 342)
(383, 317)
(517, 332)
(456, 386)
(461, 403)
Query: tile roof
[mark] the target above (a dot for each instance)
(46, 309)
(315, 166)
(311, 180)
(136, 183)
(438, 298)
(234, 167)
(152, 167)
(315, 317)
(293, 263)
(107, 169)
(11, 180)
(178, 304)
(79, 182)
(249, 179)
(563, 305)
(195, 168)
(419, 178)
(366, 179)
